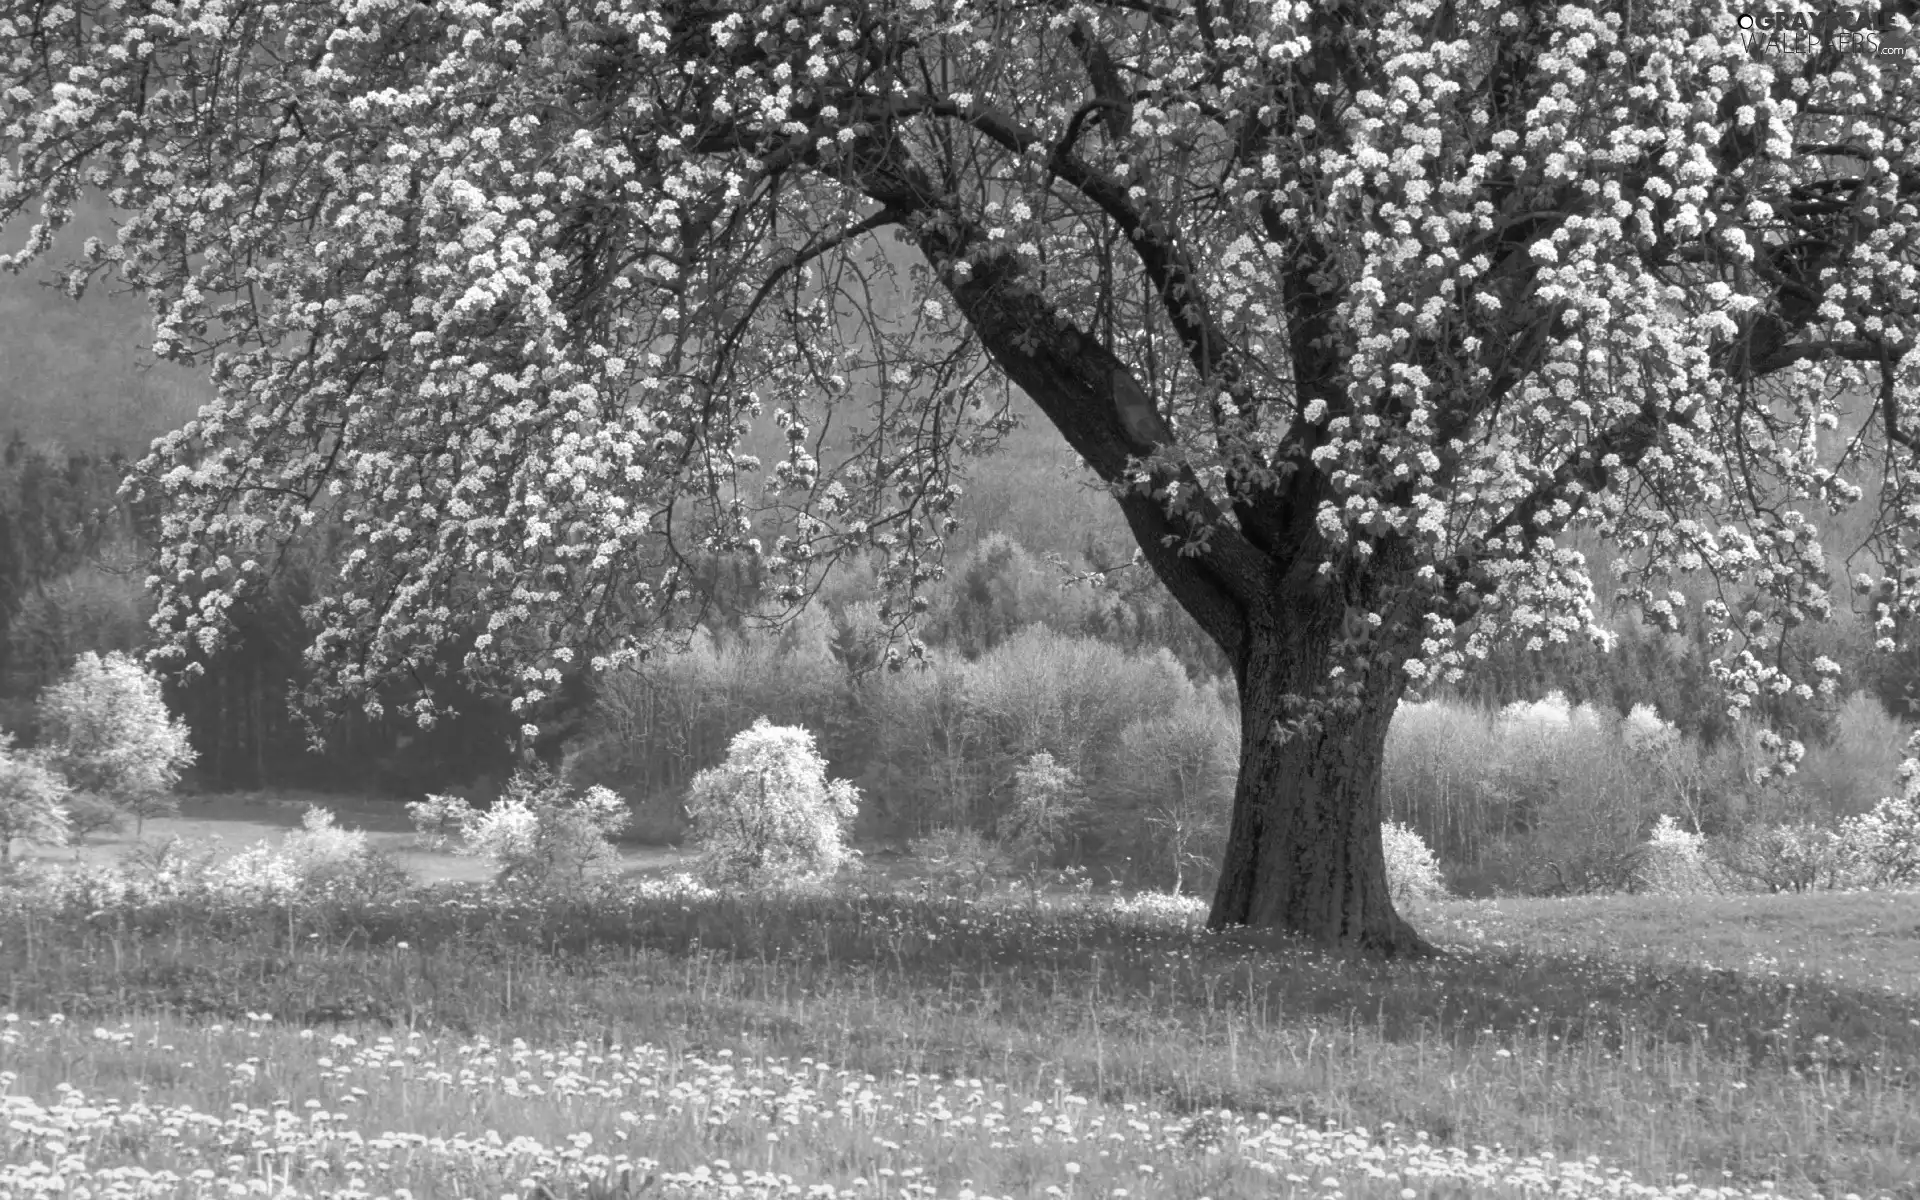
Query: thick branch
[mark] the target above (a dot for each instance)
(1078, 383)
(1153, 241)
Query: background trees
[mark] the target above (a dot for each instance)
(105, 728)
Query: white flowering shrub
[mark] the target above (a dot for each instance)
(1674, 861)
(1884, 842)
(680, 885)
(318, 861)
(1879, 848)
(257, 874)
(1413, 873)
(342, 862)
(105, 726)
(32, 800)
(768, 815)
(540, 836)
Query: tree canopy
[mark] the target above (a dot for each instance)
(1355, 304)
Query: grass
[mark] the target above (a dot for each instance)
(1739, 1043)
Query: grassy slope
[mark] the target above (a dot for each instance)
(1767, 1038)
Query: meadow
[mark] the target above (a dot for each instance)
(657, 1038)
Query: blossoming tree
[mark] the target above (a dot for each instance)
(1355, 305)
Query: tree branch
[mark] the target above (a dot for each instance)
(1209, 567)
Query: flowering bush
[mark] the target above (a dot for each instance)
(32, 799)
(768, 814)
(1885, 842)
(257, 874)
(1674, 861)
(318, 860)
(1413, 873)
(1877, 848)
(539, 835)
(340, 861)
(105, 726)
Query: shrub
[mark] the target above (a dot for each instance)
(1413, 873)
(256, 874)
(1535, 785)
(1549, 797)
(540, 837)
(171, 861)
(320, 860)
(1674, 861)
(341, 861)
(32, 800)
(959, 856)
(946, 741)
(105, 726)
(1795, 857)
(1885, 841)
(655, 725)
(1436, 778)
(768, 815)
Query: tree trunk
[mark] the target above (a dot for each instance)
(1304, 851)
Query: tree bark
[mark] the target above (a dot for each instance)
(1304, 852)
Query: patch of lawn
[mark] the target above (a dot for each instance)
(1861, 940)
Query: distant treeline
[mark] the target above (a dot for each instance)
(73, 557)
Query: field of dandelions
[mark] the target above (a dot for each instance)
(658, 1038)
